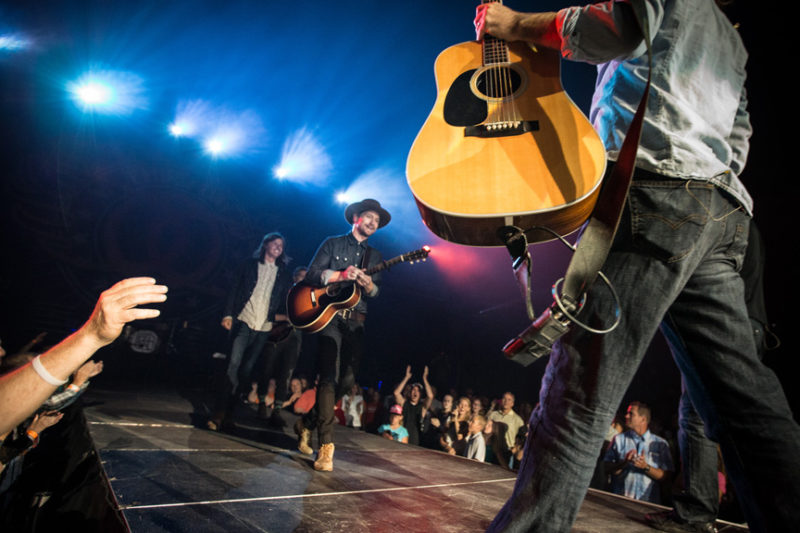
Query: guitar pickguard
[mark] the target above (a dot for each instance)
(461, 106)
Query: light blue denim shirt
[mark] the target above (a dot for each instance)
(696, 126)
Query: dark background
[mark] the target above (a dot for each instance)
(88, 199)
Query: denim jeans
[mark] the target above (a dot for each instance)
(246, 347)
(678, 250)
(699, 500)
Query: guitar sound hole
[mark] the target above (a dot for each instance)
(498, 82)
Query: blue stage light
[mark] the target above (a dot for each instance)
(94, 93)
(13, 42)
(108, 91)
(192, 118)
(215, 146)
(178, 129)
(342, 198)
(303, 160)
(383, 184)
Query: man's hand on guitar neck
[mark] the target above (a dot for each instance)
(504, 23)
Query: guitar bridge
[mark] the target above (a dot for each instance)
(501, 129)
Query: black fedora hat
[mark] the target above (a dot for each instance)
(367, 204)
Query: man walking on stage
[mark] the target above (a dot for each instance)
(256, 300)
(674, 262)
(340, 346)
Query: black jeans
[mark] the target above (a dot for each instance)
(338, 356)
(279, 361)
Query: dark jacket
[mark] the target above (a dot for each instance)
(337, 253)
(245, 283)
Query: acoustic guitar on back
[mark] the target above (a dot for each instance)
(503, 145)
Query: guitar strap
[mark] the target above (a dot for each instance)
(597, 235)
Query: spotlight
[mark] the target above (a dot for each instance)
(178, 129)
(13, 41)
(215, 146)
(94, 93)
(108, 91)
(303, 160)
(192, 116)
(342, 198)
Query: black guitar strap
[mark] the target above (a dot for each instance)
(595, 242)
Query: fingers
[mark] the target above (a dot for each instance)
(119, 305)
(480, 21)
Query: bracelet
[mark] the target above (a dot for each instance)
(33, 436)
(44, 374)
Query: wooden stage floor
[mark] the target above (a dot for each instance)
(168, 474)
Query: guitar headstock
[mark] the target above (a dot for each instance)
(417, 255)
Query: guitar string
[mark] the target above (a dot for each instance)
(491, 78)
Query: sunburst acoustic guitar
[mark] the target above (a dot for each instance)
(312, 308)
(503, 145)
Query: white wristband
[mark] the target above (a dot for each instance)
(44, 374)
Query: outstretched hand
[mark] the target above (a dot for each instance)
(44, 420)
(88, 370)
(119, 305)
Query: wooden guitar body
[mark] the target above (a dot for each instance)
(312, 308)
(472, 171)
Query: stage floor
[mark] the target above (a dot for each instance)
(167, 474)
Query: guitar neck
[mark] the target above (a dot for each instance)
(495, 51)
(383, 265)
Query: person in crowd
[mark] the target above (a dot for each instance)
(395, 430)
(438, 422)
(506, 422)
(372, 405)
(20, 441)
(480, 405)
(638, 460)
(415, 407)
(439, 417)
(353, 407)
(23, 391)
(476, 447)
(301, 400)
(453, 440)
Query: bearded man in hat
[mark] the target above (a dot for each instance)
(342, 258)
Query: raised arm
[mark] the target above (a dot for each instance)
(428, 390)
(24, 390)
(398, 391)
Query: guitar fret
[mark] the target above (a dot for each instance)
(494, 51)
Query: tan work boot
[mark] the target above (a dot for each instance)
(303, 439)
(324, 462)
